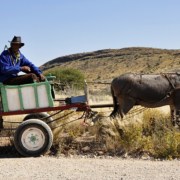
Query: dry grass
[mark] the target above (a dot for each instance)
(154, 136)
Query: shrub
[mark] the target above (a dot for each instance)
(154, 136)
(70, 76)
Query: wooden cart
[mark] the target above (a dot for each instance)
(33, 136)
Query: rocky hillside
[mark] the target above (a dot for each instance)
(106, 64)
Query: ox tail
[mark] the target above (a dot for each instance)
(115, 104)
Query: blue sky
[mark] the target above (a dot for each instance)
(53, 28)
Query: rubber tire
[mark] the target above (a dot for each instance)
(39, 116)
(38, 124)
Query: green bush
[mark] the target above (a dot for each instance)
(68, 76)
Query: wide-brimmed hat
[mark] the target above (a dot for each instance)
(17, 40)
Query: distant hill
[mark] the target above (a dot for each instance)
(109, 63)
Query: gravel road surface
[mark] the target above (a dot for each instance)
(78, 168)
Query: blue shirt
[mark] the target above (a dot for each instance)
(10, 69)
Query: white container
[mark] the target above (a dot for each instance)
(28, 96)
(42, 96)
(24, 97)
(13, 99)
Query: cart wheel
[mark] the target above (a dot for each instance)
(48, 120)
(33, 138)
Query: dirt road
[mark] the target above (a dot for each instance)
(87, 169)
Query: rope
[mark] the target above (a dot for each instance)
(60, 117)
(136, 113)
(64, 124)
(51, 115)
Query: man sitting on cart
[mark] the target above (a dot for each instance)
(12, 61)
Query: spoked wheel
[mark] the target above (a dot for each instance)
(33, 138)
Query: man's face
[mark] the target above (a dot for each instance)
(15, 47)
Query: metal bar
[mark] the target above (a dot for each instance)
(86, 91)
(60, 99)
(79, 106)
(58, 112)
(101, 105)
(64, 124)
(98, 82)
(59, 117)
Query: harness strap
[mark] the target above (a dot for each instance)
(167, 77)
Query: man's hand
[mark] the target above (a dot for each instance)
(26, 69)
(42, 77)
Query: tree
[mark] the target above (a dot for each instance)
(70, 76)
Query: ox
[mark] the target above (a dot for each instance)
(150, 91)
